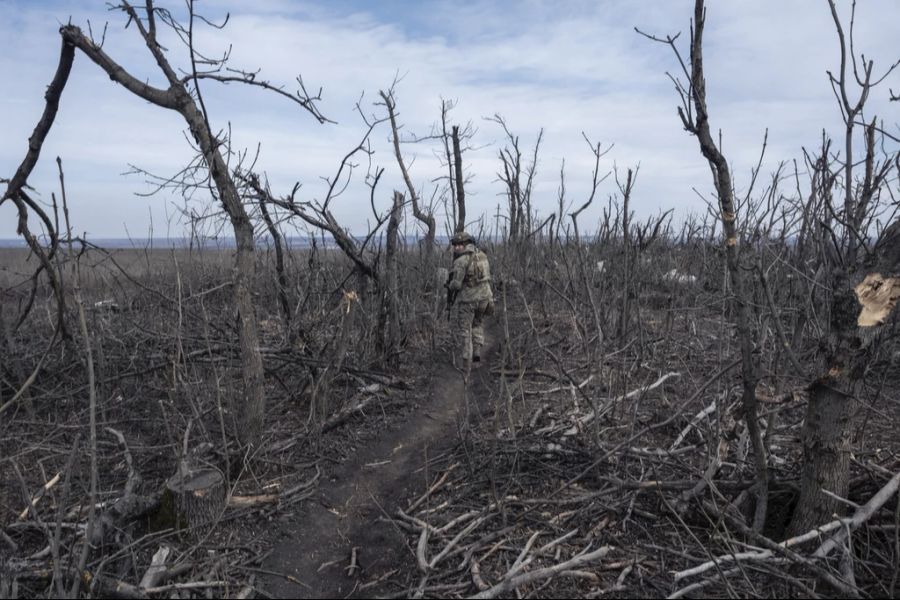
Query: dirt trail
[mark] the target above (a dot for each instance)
(381, 476)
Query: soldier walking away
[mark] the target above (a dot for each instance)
(469, 288)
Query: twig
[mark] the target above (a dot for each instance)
(441, 481)
(92, 393)
(610, 403)
(40, 494)
(863, 514)
(508, 585)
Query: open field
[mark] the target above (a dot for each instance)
(669, 398)
(621, 436)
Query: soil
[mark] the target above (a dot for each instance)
(350, 513)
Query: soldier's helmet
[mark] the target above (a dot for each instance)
(461, 237)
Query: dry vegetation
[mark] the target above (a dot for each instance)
(639, 459)
(629, 442)
(674, 410)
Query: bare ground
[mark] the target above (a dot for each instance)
(344, 543)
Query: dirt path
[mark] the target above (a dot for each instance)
(382, 476)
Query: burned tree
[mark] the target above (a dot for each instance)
(628, 257)
(694, 116)
(15, 193)
(372, 273)
(458, 179)
(182, 94)
(391, 303)
(518, 179)
(862, 292)
(423, 216)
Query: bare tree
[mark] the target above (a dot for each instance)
(427, 218)
(695, 118)
(826, 430)
(596, 179)
(626, 189)
(280, 270)
(518, 178)
(182, 94)
(364, 253)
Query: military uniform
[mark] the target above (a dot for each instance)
(470, 279)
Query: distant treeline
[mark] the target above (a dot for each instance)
(297, 242)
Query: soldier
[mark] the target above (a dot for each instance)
(469, 284)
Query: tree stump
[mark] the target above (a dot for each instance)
(198, 496)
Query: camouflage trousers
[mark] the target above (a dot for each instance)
(468, 328)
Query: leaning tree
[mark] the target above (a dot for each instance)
(182, 93)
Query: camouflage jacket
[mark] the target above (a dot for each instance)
(471, 276)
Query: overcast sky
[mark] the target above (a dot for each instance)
(568, 67)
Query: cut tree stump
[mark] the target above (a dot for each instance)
(198, 496)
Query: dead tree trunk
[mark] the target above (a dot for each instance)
(460, 192)
(724, 190)
(695, 118)
(519, 181)
(425, 217)
(278, 242)
(392, 282)
(857, 317)
(627, 257)
(826, 430)
(198, 496)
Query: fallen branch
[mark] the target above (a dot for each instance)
(190, 585)
(681, 593)
(582, 421)
(863, 514)
(432, 489)
(508, 585)
(40, 494)
(340, 418)
(693, 424)
(772, 547)
(248, 501)
(157, 569)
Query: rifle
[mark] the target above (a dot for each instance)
(451, 294)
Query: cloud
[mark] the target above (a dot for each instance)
(569, 68)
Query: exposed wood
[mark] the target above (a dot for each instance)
(199, 495)
(156, 572)
(40, 494)
(508, 585)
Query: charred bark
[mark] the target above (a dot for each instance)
(16, 194)
(855, 290)
(391, 283)
(458, 174)
(724, 190)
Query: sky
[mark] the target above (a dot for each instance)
(576, 69)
